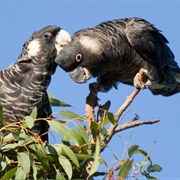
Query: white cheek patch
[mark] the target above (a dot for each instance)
(91, 44)
(62, 39)
(33, 48)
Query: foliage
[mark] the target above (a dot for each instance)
(24, 156)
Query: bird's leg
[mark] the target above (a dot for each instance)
(142, 80)
(91, 103)
(92, 100)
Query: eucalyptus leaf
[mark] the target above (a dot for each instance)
(34, 113)
(71, 115)
(83, 156)
(3, 163)
(33, 167)
(2, 120)
(154, 168)
(111, 118)
(20, 174)
(131, 150)
(66, 165)
(56, 102)
(8, 138)
(30, 121)
(83, 133)
(94, 129)
(10, 174)
(78, 137)
(59, 176)
(125, 168)
(8, 147)
(22, 137)
(62, 130)
(141, 163)
(41, 155)
(96, 157)
(70, 154)
(24, 160)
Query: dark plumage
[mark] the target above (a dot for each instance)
(115, 51)
(23, 86)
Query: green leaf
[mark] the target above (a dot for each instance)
(131, 150)
(95, 164)
(115, 156)
(2, 120)
(22, 137)
(59, 176)
(70, 154)
(62, 130)
(33, 167)
(83, 156)
(56, 102)
(148, 155)
(24, 160)
(34, 113)
(125, 168)
(20, 174)
(9, 174)
(102, 161)
(111, 118)
(8, 138)
(41, 155)
(94, 129)
(78, 137)
(130, 136)
(70, 115)
(154, 168)
(141, 163)
(8, 147)
(66, 165)
(30, 121)
(2, 163)
(55, 149)
(144, 173)
(141, 151)
(83, 133)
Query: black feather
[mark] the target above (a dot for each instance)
(115, 51)
(23, 86)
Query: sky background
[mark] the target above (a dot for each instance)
(19, 19)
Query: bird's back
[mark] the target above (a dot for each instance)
(131, 44)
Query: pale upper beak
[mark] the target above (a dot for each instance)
(62, 39)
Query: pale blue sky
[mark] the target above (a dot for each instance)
(19, 19)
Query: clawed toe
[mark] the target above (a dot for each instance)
(142, 80)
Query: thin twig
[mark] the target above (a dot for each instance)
(118, 114)
(128, 101)
(135, 123)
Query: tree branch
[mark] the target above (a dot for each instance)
(134, 123)
(115, 128)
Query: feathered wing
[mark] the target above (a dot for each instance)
(151, 45)
(115, 51)
(44, 111)
(23, 86)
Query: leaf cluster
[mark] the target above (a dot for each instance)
(24, 156)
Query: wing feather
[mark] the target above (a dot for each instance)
(149, 43)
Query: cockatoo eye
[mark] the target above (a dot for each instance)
(78, 57)
(47, 35)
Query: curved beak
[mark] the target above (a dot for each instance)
(80, 74)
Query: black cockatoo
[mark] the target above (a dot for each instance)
(23, 86)
(115, 51)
